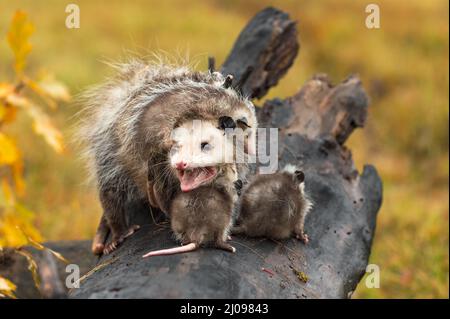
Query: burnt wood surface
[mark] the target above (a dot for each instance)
(313, 127)
(266, 48)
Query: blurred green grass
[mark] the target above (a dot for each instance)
(403, 65)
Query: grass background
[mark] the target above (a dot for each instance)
(403, 65)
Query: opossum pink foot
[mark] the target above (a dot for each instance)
(303, 237)
(98, 248)
(225, 246)
(229, 237)
(109, 248)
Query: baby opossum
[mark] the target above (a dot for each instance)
(201, 217)
(274, 206)
(128, 133)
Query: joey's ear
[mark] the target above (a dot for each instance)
(299, 176)
(228, 81)
(226, 122)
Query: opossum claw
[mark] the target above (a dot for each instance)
(303, 237)
(225, 246)
(109, 248)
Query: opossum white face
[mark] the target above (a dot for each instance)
(199, 150)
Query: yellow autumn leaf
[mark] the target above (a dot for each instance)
(7, 288)
(39, 90)
(41, 122)
(7, 193)
(7, 113)
(9, 153)
(49, 89)
(43, 126)
(2, 111)
(5, 89)
(25, 222)
(17, 173)
(18, 38)
(55, 89)
(14, 222)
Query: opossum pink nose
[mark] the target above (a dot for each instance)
(181, 165)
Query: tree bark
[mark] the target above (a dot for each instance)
(267, 47)
(313, 126)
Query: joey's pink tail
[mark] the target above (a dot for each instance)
(172, 251)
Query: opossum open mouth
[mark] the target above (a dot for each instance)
(192, 178)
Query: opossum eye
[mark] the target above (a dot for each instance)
(300, 176)
(173, 150)
(226, 122)
(205, 146)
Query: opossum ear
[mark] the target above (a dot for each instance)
(299, 176)
(226, 122)
(211, 64)
(228, 81)
(242, 123)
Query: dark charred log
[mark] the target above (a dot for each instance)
(313, 127)
(268, 45)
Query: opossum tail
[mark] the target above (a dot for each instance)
(172, 251)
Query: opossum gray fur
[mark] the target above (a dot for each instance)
(127, 133)
(274, 206)
(201, 217)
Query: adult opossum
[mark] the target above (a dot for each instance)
(274, 206)
(129, 137)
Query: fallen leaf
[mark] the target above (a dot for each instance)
(300, 275)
